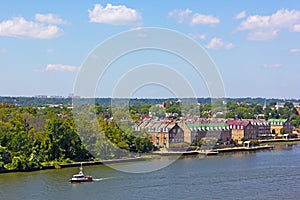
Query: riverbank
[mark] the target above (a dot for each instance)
(84, 163)
(211, 152)
(279, 140)
(103, 162)
(255, 148)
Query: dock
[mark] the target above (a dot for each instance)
(280, 140)
(212, 151)
(255, 148)
(175, 153)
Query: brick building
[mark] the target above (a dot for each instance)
(242, 130)
(164, 133)
(279, 126)
(194, 132)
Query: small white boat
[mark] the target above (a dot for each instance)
(80, 177)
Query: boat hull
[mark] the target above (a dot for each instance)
(86, 179)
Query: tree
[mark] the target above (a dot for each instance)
(288, 105)
(157, 111)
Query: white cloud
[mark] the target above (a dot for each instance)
(295, 51)
(61, 68)
(217, 43)
(202, 36)
(193, 19)
(263, 34)
(20, 27)
(49, 18)
(114, 15)
(273, 65)
(296, 28)
(241, 15)
(283, 18)
(198, 36)
(204, 19)
(268, 27)
(180, 15)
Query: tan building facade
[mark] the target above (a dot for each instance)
(242, 130)
(163, 133)
(280, 126)
(194, 132)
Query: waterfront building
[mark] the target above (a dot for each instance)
(196, 131)
(242, 130)
(164, 133)
(262, 127)
(280, 126)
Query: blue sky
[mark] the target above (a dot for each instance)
(254, 44)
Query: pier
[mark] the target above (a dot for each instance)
(280, 140)
(254, 148)
(212, 151)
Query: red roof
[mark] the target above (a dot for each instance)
(237, 123)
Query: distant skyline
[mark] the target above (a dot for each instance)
(254, 44)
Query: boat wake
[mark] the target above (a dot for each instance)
(102, 179)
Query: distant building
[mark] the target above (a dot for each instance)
(262, 127)
(298, 111)
(41, 96)
(249, 129)
(194, 132)
(296, 104)
(242, 130)
(71, 95)
(56, 97)
(281, 104)
(164, 133)
(279, 126)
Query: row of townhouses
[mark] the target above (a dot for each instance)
(164, 133)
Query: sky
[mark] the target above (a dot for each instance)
(255, 44)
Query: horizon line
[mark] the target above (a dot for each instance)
(78, 97)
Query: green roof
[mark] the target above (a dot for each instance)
(207, 126)
(277, 121)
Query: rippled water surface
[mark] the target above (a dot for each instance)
(257, 175)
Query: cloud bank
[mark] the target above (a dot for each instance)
(187, 16)
(268, 27)
(114, 15)
(61, 68)
(44, 27)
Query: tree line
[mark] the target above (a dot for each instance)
(31, 138)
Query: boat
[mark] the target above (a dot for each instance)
(80, 177)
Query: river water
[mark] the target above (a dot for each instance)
(271, 174)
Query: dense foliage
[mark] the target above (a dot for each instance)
(250, 111)
(32, 137)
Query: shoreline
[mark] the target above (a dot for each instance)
(281, 140)
(212, 152)
(77, 164)
(103, 162)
